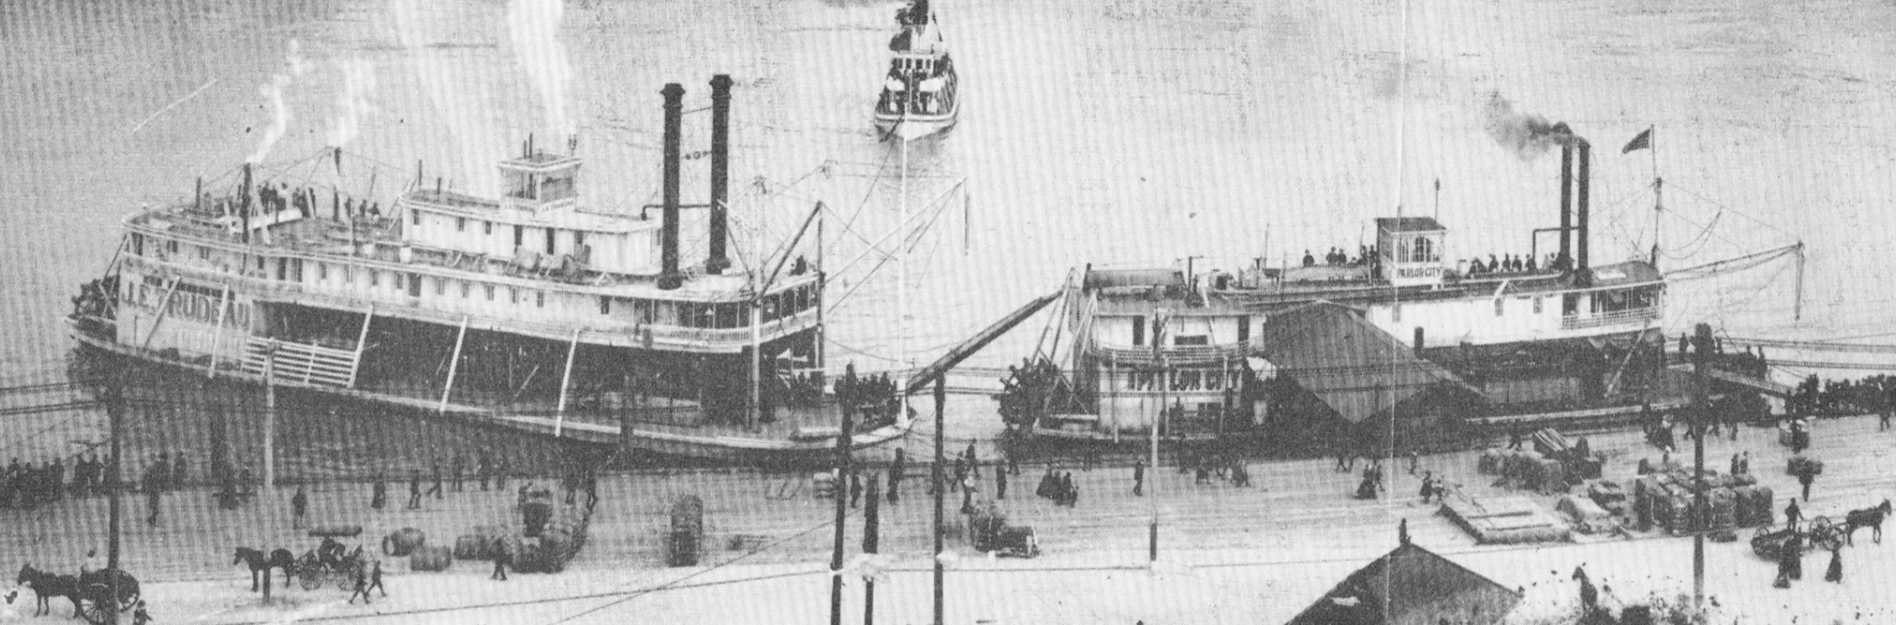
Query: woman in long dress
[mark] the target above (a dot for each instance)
(1835, 572)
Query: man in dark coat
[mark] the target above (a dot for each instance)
(1792, 515)
(855, 489)
(503, 557)
(414, 489)
(379, 497)
(299, 508)
(459, 467)
(1138, 477)
(1000, 481)
(436, 468)
(1804, 478)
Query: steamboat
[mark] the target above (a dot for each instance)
(536, 310)
(920, 94)
(1395, 344)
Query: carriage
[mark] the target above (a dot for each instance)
(1819, 532)
(328, 563)
(105, 594)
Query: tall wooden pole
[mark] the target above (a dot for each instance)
(269, 422)
(842, 494)
(941, 400)
(1700, 410)
(871, 539)
(115, 412)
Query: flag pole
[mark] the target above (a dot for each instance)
(1658, 192)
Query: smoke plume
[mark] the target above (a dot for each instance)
(535, 26)
(1525, 134)
(280, 112)
(358, 81)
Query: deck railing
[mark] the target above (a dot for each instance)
(1176, 354)
(1576, 322)
(302, 362)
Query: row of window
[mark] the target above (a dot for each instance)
(1139, 333)
(1607, 301)
(519, 232)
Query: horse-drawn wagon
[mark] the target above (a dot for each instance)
(1819, 532)
(100, 596)
(328, 563)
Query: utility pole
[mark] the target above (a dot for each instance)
(841, 491)
(871, 536)
(941, 399)
(115, 412)
(1701, 410)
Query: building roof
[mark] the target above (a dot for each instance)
(1408, 224)
(1348, 363)
(1411, 585)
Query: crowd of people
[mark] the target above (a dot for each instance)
(1508, 263)
(1336, 257)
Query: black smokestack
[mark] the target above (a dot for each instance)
(1566, 206)
(720, 169)
(669, 277)
(1580, 201)
(244, 207)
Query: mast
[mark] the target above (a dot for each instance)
(901, 287)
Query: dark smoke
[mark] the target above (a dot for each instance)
(1525, 134)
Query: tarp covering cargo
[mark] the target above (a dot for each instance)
(1586, 516)
(1502, 520)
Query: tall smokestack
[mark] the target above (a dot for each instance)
(1580, 200)
(244, 205)
(669, 277)
(1566, 205)
(720, 169)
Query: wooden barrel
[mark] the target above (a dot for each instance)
(473, 547)
(430, 559)
(687, 531)
(403, 541)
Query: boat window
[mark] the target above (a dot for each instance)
(415, 216)
(465, 287)
(489, 288)
(549, 241)
(519, 236)
(441, 286)
(322, 272)
(539, 299)
(1424, 251)
(1196, 339)
(414, 286)
(1138, 330)
(204, 252)
(171, 246)
(138, 245)
(1497, 306)
(605, 305)
(375, 278)
(460, 224)
(1244, 328)
(487, 227)
(1537, 305)
(579, 239)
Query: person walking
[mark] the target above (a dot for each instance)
(855, 489)
(1428, 485)
(1804, 478)
(379, 496)
(1882, 421)
(485, 468)
(151, 503)
(1835, 572)
(299, 508)
(1734, 465)
(1792, 515)
(1000, 482)
(1072, 492)
(414, 489)
(361, 586)
(1414, 460)
(1138, 477)
(436, 468)
(459, 467)
(503, 557)
(375, 579)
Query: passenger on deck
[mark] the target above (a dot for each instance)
(1308, 259)
(1530, 264)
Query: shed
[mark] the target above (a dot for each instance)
(1411, 586)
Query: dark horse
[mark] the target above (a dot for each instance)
(279, 559)
(1868, 517)
(46, 586)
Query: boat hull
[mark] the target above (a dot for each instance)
(914, 127)
(720, 448)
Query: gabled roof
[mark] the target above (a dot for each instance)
(1348, 363)
(1408, 224)
(1411, 585)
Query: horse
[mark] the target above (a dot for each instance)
(48, 585)
(255, 559)
(1868, 517)
(1589, 596)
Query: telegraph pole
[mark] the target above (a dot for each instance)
(115, 412)
(941, 399)
(1702, 341)
(841, 491)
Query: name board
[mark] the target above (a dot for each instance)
(1418, 272)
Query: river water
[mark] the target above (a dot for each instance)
(1122, 131)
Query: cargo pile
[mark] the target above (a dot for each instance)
(430, 559)
(403, 541)
(1668, 499)
(1801, 464)
(1527, 470)
(1504, 520)
(552, 534)
(1586, 516)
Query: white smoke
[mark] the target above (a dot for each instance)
(358, 81)
(280, 112)
(535, 27)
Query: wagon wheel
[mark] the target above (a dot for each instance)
(98, 608)
(346, 581)
(1826, 535)
(309, 577)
